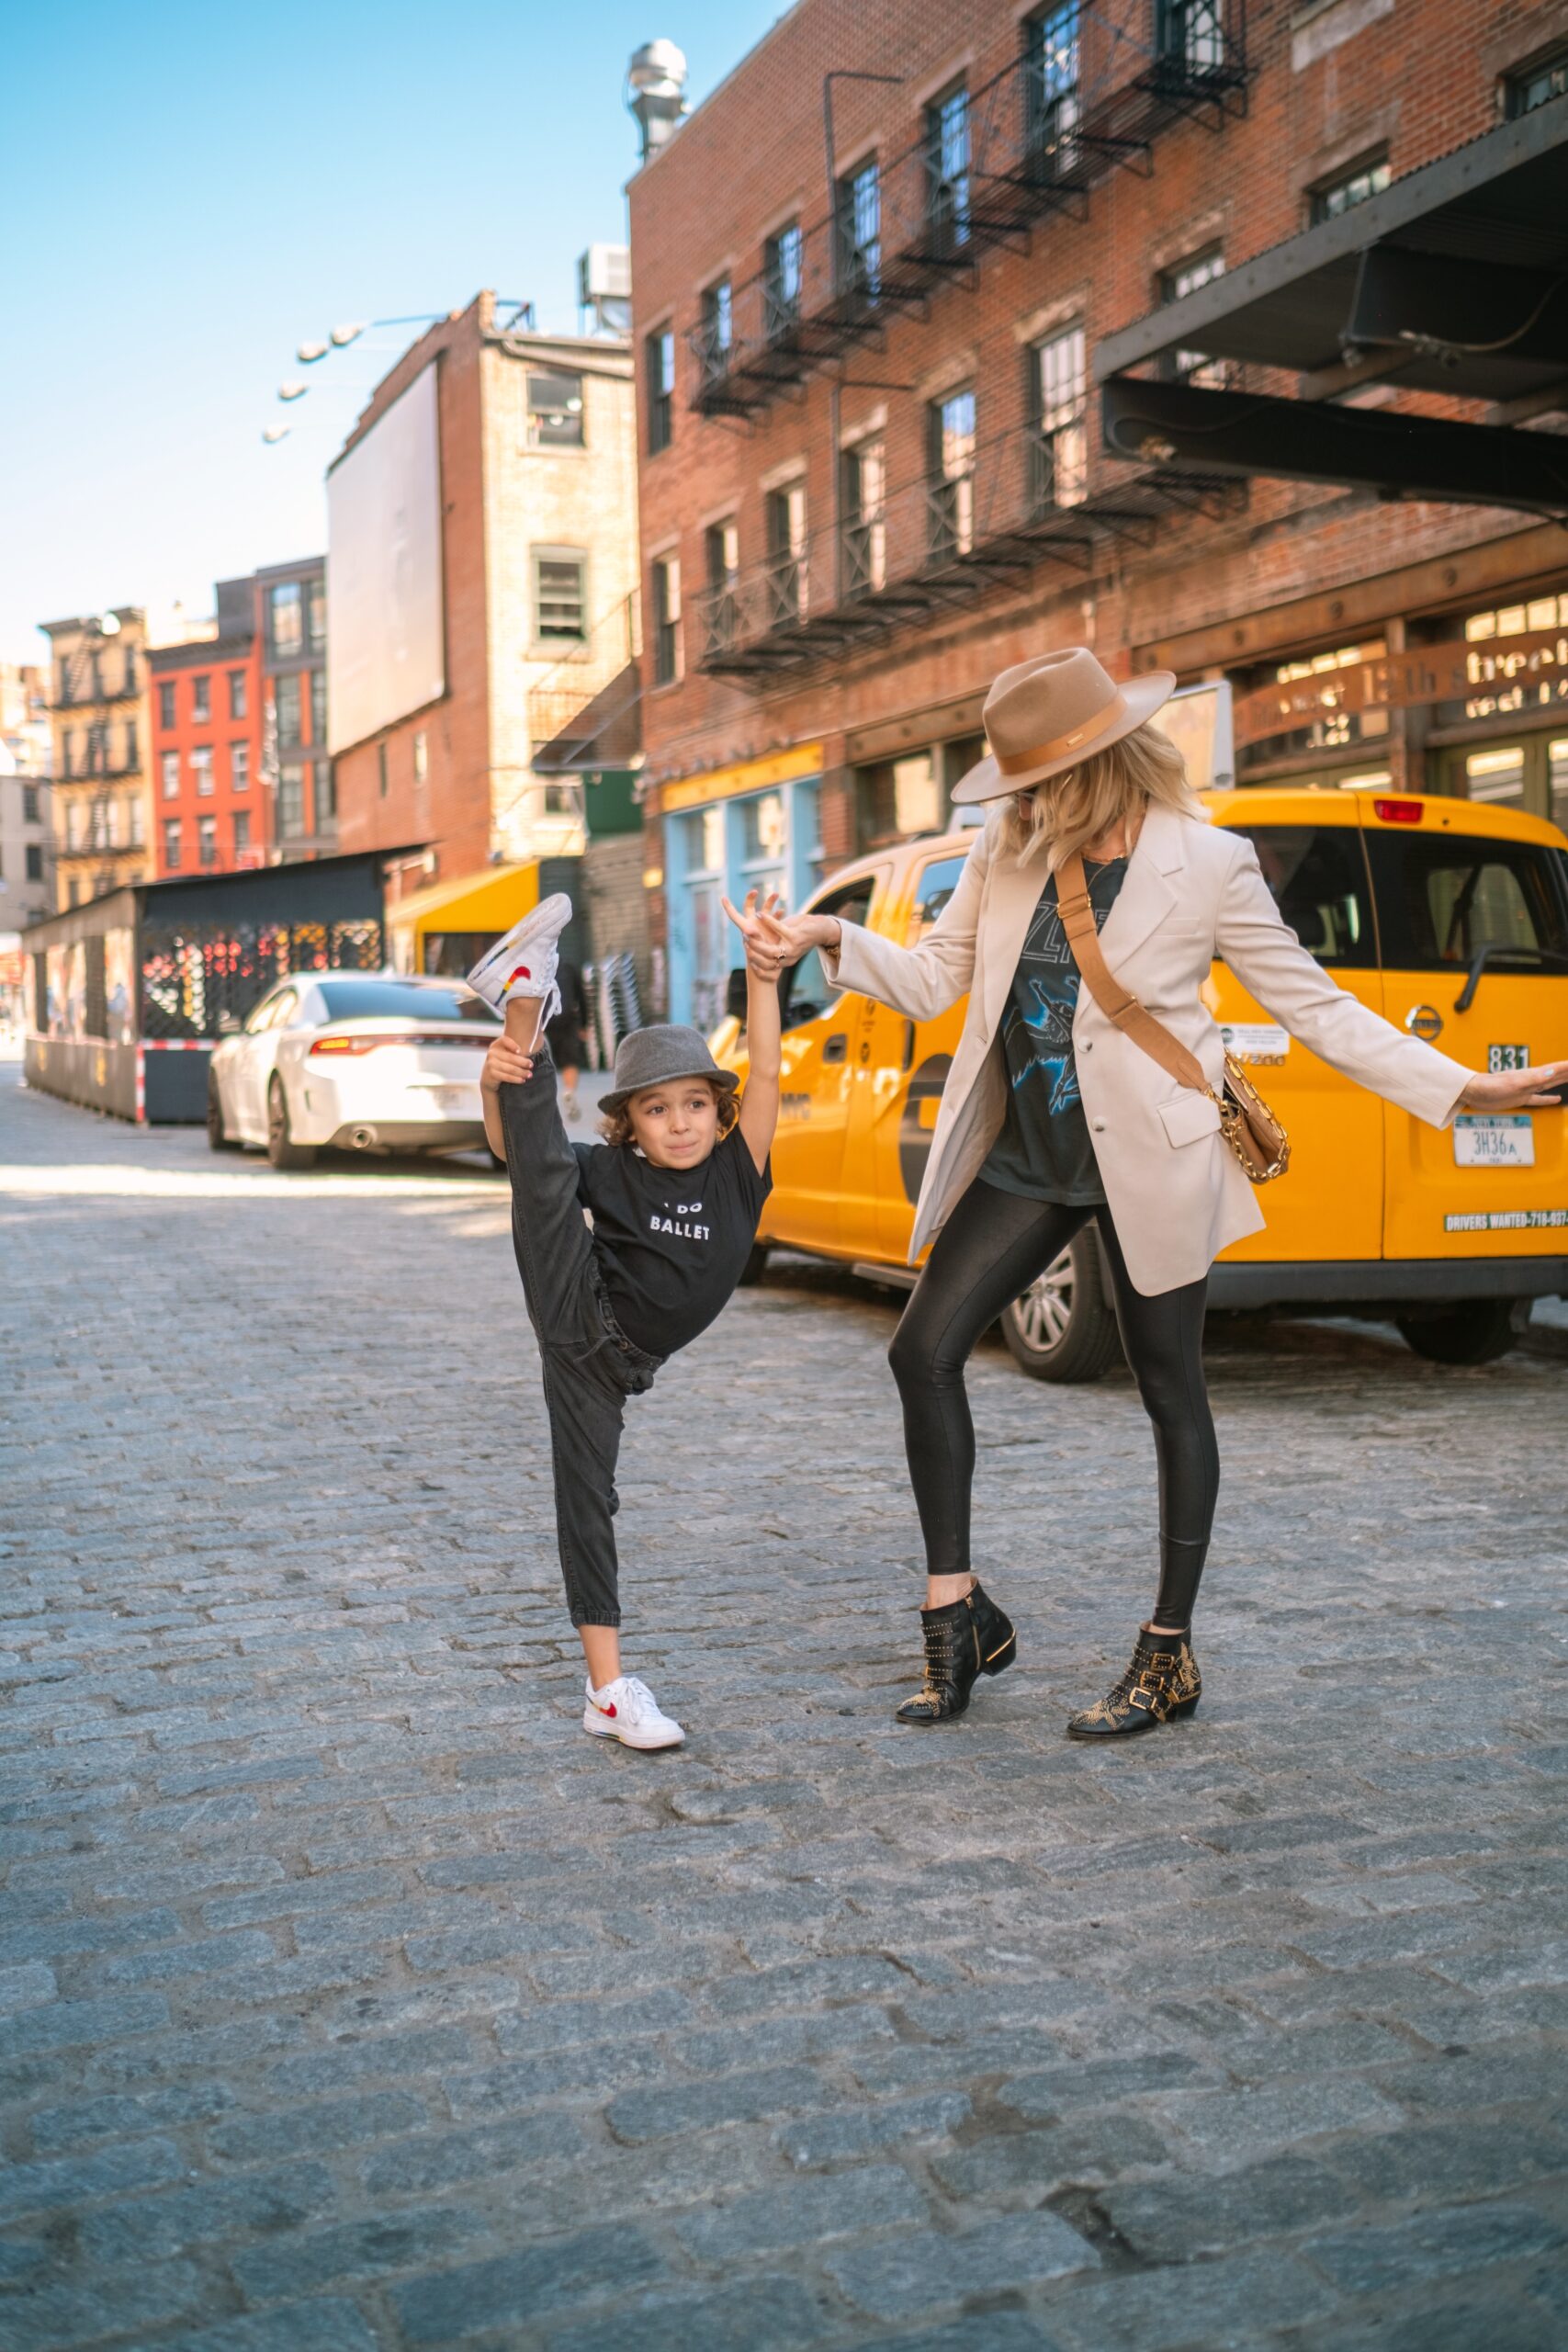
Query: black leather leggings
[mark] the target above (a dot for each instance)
(990, 1249)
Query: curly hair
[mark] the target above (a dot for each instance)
(615, 1126)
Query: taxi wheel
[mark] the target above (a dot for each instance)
(281, 1149)
(1478, 1332)
(1062, 1329)
(756, 1265)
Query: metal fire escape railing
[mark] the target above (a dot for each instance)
(1025, 499)
(1096, 82)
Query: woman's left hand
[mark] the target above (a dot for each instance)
(1515, 1090)
(764, 954)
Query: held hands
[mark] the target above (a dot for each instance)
(758, 922)
(794, 935)
(505, 1065)
(1515, 1090)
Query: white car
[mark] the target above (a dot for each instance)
(354, 1061)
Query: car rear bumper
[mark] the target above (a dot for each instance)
(1392, 1282)
(407, 1134)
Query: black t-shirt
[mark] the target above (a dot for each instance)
(1045, 1150)
(671, 1240)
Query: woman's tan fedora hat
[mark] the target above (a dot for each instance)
(1047, 715)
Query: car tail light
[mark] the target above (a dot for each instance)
(368, 1043)
(351, 1044)
(1399, 812)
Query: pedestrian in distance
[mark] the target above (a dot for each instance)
(1056, 1111)
(675, 1190)
(566, 1035)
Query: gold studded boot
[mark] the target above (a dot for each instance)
(966, 1639)
(1162, 1682)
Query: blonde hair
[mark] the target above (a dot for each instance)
(1069, 811)
(615, 1126)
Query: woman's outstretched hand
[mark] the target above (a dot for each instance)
(756, 923)
(1515, 1090)
(796, 936)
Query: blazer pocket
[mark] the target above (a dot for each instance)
(1188, 1118)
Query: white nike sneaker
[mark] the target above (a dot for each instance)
(626, 1710)
(524, 962)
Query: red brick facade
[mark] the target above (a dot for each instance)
(210, 809)
(1280, 573)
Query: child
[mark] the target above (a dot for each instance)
(675, 1192)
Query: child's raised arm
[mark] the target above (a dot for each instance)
(760, 1102)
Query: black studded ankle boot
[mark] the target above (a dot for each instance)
(968, 1639)
(1162, 1682)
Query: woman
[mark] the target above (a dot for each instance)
(1051, 1116)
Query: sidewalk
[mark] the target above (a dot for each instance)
(351, 1998)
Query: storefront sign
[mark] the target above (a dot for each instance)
(748, 775)
(1499, 673)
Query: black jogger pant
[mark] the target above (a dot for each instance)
(994, 1245)
(590, 1366)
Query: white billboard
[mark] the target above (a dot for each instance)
(385, 652)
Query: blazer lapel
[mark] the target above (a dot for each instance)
(1147, 894)
(1014, 893)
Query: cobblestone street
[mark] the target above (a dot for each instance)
(352, 1998)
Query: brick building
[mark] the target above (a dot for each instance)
(99, 714)
(535, 599)
(211, 811)
(874, 461)
(27, 813)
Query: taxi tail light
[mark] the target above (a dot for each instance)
(1398, 812)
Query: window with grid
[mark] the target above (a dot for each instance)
(1060, 390)
(166, 703)
(201, 699)
(286, 618)
(554, 409)
(865, 495)
(30, 804)
(207, 840)
(201, 769)
(171, 843)
(1351, 189)
(286, 708)
(560, 599)
(1190, 33)
(238, 701)
(718, 329)
(1535, 85)
(1194, 367)
(317, 596)
(1050, 99)
(666, 620)
(785, 519)
(242, 831)
(659, 360)
(950, 430)
(947, 168)
(239, 767)
(291, 799)
(781, 275)
(169, 769)
(859, 252)
(318, 706)
(721, 547)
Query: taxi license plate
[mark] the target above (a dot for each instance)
(1506, 1140)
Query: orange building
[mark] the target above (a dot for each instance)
(211, 811)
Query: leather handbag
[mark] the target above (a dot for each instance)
(1246, 1123)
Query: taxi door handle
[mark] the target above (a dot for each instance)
(836, 1047)
(909, 1045)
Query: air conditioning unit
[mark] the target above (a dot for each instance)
(604, 273)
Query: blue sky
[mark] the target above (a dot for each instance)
(190, 192)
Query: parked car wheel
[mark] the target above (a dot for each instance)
(281, 1149)
(755, 1266)
(1061, 1329)
(1479, 1331)
(218, 1135)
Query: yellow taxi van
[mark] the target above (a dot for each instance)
(1447, 917)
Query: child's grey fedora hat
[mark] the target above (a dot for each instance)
(657, 1055)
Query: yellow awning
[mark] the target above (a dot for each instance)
(491, 901)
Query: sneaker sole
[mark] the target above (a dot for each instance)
(644, 1747)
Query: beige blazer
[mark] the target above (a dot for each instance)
(1192, 892)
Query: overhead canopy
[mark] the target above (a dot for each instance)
(1453, 279)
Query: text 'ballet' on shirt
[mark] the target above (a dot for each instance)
(673, 1242)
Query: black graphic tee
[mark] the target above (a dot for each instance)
(671, 1240)
(1043, 1150)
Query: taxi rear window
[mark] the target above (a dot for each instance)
(1319, 876)
(1444, 897)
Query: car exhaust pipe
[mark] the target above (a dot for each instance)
(362, 1137)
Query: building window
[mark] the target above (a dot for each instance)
(207, 840)
(201, 769)
(319, 706)
(717, 340)
(35, 862)
(421, 756)
(560, 598)
(130, 669)
(864, 493)
(949, 476)
(286, 631)
(666, 620)
(1059, 387)
(381, 769)
(858, 261)
(1351, 189)
(286, 708)
(132, 749)
(1536, 85)
(786, 518)
(169, 766)
(171, 843)
(721, 544)
(238, 702)
(242, 831)
(1193, 366)
(897, 798)
(318, 614)
(98, 749)
(239, 766)
(1052, 105)
(554, 409)
(291, 799)
(1190, 33)
(133, 823)
(201, 700)
(30, 804)
(326, 793)
(166, 703)
(783, 270)
(947, 169)
(659, 359)
(560, 800)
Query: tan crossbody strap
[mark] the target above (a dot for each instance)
(1117, 1003)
